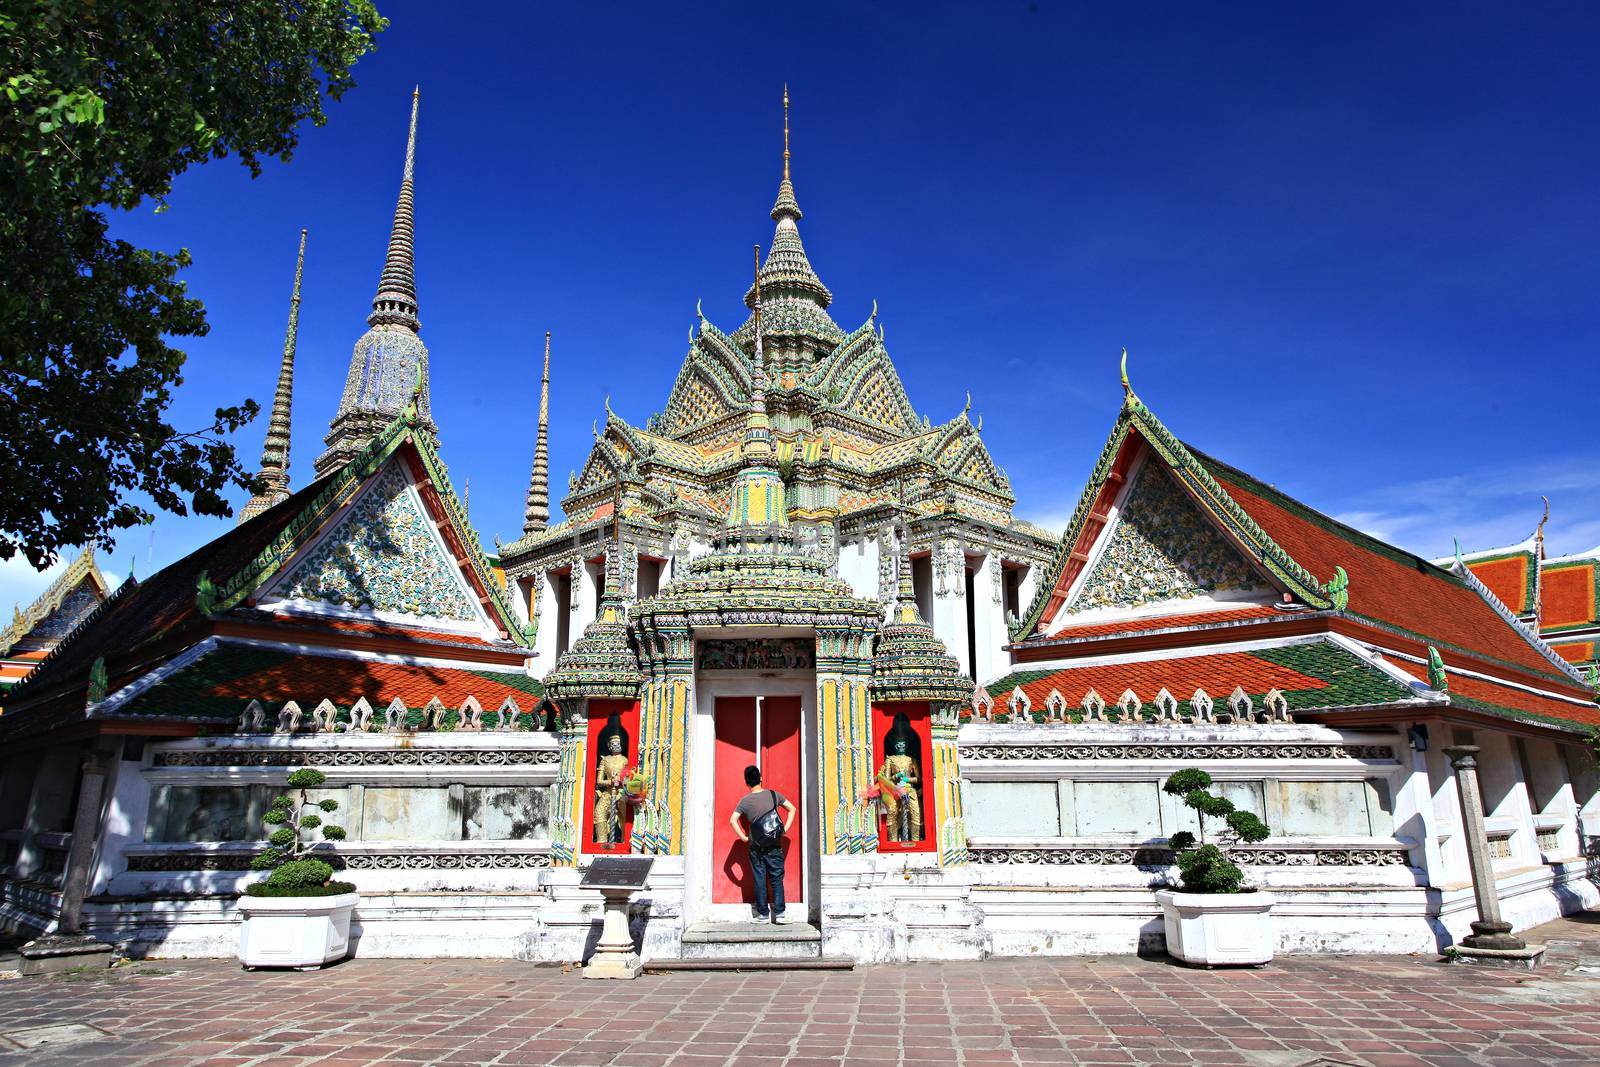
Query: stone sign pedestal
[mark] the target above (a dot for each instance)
(617, 878)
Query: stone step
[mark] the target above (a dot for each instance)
(752, 941)
(754, 963)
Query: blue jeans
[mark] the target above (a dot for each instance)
(766, 867)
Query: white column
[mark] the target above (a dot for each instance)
(1505, 796)
(550, 609)
(54, 787)
(1547, 766)
(950, 600)
(127, 811)
(988, 592)
(589, 576)
(1450, 854)
(1414, 812)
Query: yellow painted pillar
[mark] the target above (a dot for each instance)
(664, 721)
(568, 820)
(946, 724)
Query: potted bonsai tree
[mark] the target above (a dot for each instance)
(298, 916)
(1214, 920)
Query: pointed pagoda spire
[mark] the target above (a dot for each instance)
(757, 488)
(537, 515)
(275, 453)
(797, 298)
(396, 299)
(390, 363)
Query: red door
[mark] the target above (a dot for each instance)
(745, 729)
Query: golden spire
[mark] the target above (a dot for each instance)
(785, 131)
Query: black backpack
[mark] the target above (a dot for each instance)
(767, 831)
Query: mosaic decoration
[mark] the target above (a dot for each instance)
(60, 622)
(59, 609)
(390, 362)
(383, 556)
(1161, 549)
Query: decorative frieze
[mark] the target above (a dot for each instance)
(770, 653)
(1219, 751)
(1160, 856)
(361, 861)
(394, 757)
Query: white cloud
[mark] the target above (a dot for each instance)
(21, 584)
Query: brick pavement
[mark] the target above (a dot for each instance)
(1379, 1011)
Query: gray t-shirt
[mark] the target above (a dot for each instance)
(754, 805)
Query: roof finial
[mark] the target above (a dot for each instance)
(1538, 534)
(760, 357)
(1127, 387)
(1538, 567)
(537, 514)
(785, 131)
(275, 451)
(396, 300)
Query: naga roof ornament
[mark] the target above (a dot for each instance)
(390, 355)
(275, 453)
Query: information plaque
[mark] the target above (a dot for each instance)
(617, 872)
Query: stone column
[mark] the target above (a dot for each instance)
(1489, 931)
(69, 947)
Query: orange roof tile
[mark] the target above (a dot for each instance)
(1507, 579)
(1386, 584)
(1567, 596)
(1478, 689)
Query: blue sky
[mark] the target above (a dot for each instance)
(1350, 248)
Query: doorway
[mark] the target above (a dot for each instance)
(763, 731)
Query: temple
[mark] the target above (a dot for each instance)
(1553, 595)
(790, 567)
(34, 633)
(856, 462)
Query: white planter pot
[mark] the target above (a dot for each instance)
(303, 932)
(1218, 929)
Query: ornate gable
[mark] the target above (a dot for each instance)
(710, 384)
(383, 555)
(877, 396)
(1160, 548)
(71, 611)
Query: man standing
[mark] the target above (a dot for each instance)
(759, 809)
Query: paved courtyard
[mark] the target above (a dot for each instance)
(1385, 1012)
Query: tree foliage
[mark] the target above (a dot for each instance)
(102, 104)
(295, 871)
(1203, 867)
